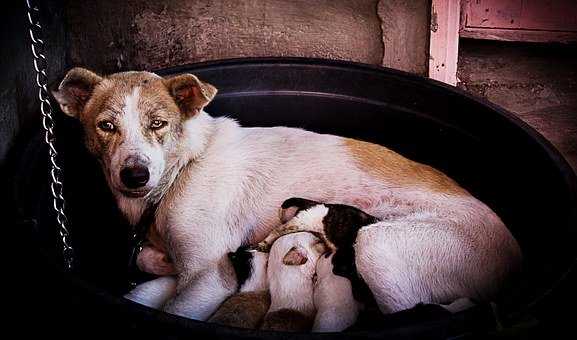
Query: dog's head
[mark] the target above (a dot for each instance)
(132, 121)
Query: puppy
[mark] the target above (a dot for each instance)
(246, 309)
(291, 268)
(333, 297)
(218, 185)
(337, 225)
(347, 232)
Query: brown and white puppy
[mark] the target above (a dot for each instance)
(336, 224)
(247, 307)
(220, 185)
(291, 268)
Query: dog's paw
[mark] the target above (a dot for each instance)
(153, 261)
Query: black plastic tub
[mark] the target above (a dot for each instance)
(491, 153)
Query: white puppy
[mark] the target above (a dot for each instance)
(333, 297)
(291, 268)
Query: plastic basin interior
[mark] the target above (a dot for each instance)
(492, 154)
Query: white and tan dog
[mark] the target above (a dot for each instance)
(220, 185)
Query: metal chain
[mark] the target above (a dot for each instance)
(40, 66)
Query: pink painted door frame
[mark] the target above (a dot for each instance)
(444, 40)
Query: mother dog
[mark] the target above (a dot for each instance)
(220, 185)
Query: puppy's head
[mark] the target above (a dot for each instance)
(298, 249)
(250, 268)
(302, 253)
(336, 224)
(132, 121)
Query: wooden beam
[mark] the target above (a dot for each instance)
(444, 42)
(519, 35)
(519, 20)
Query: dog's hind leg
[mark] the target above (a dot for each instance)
(430, 261)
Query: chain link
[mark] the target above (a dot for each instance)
(40, 65)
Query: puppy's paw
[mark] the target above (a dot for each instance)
(263, 247)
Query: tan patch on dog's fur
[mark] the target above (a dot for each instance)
(244, 310)
(398, 170)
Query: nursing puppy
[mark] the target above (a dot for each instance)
(336, 307)
(291, 267)
(247, 307)
(337, 225)
(219, 185)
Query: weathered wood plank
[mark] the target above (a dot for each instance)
(444, 43)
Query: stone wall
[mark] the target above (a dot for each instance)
(120, 35)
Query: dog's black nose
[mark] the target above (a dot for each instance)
(135, 176)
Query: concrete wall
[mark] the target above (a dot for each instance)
(113, 35)
(405, 33)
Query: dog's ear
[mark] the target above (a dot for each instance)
(75, 90)
(291, 207)
(296, 256)
(190, 93)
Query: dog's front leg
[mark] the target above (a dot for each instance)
(154, 293)
(200, 292)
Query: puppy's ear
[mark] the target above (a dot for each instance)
(291, 207)
(296, 256)
(190, 93)
(75, 90)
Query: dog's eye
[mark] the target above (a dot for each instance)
(157, 124)
(107, 126)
